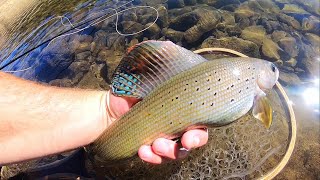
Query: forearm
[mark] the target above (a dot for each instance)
(46, 119)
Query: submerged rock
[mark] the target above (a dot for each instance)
(173, 35)
(313, 39)
(221, 3)
(311, 24)
(277, 35)
(185, 21)
(270, 50)
(289, 79)
(292, 9)
(309, 60)
(255, 34)
(163, 20)
(289, 21)
(153, 31)
(289, 45)
(175, 4)
(246, 47)
(291, 62)
(207, 21)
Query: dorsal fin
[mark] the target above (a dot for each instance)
(149, 64)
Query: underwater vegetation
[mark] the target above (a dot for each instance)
(80, 44)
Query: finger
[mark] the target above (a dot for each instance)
(145, 153)
(194, 138)
(168, 149)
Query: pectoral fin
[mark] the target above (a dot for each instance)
(262, 110)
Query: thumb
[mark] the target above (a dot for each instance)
(117, 106)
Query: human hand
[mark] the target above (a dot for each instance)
(162, 149)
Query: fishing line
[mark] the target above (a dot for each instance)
(95, 21)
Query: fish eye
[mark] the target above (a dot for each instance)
(273, 68)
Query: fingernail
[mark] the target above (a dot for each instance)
(146, 155)
(164, 148)
(182, 154)
(196, 141)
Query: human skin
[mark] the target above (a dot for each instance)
(38, 120)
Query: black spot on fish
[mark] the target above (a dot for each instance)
(208, 80)
(187, 84)
(211, 104)
(203, 103)
(215, 72)
(185, 89)
(227, 88)
(232, 100)
(252, 77)
(169, 92)
(232, 85)
(219, 79)
(197, 89)
(172, 100)
(254, 68)
(247, 87)
(170, 122)
(191, 103)
(247, 80)
(215, 94)
(162, 105)
(249, 67)
(195, 81)
(176, 97)
(208, 89)
(240, 91)
(239, 79)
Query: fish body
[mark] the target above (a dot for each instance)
(211, 93)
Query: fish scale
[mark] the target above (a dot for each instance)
(180, 102)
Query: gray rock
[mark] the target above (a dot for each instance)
(289, 79)
(292, 9)
(83, 46)
(185, 21)
(83, 55)
(289, 45)
(131, 27)
(309, 60)
(153, 31)
(313, 39)
(311, 24)
(175, 4)
(233, 30)
(291, 62)
(173, 13)
(174, 36)
(102, 55)
(311, 6)
(163, 20)
(228, 18)
(255, 34)
(129, 16)
(190, 2)
(289, 21)
(246, 47)
(270, 50)
(277, 35)
(208, 21)
(115, 41)
(220, 3)
(99, 41)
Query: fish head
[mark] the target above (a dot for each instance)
(268, 74)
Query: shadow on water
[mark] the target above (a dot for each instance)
(79, 44)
